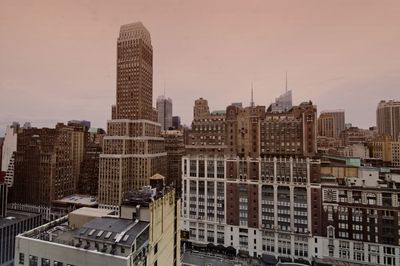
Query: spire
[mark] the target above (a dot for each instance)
(252, 98)
(286, 83)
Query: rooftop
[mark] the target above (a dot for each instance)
(14, 216)
(80, 200)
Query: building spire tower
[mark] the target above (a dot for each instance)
(252, 98)
(133, 150)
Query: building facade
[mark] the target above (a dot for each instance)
(9, 147)
(360, 217)
(175, 149)
(164, 109)
(43, 166)
(331, 123)
(257, 206)
(388, 118)
(133, 150)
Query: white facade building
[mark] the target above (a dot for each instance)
(9, 147)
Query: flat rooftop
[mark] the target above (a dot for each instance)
(14, 216)
(80, 200)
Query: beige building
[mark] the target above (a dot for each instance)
(145, 233)
(331, 123)
(133, 150)
(388, 118)
(386, 149)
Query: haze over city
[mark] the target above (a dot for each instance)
(57, 58)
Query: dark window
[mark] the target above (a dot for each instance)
(45, 262)
(155, 250)
(21, 258)
(155, 263)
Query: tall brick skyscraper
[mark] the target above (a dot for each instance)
(133, 150)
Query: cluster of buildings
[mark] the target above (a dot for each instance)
(278, 183)
(259, 181)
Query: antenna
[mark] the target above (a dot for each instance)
(286, 83)
(252, 99)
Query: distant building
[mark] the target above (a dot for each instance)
(283, 103)
(145, 233)
(386, 149)
(207, 133)
(359, 208)
(3, 198)
(175, 149)
(164, 109)
(9, 147)
(1, 152)
(176, 122)
(89, 173)
(43, 166)
(331, 123)
(388, 118)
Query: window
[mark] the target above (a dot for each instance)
(156, 248)
(57, 263)
(33, 260)
(21, 258)
(45, 262)
(155, 263)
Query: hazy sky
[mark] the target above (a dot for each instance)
(58, 58)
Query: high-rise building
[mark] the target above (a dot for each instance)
(387, 149)
(3, 198)
(175, 149)
(89, 174)
(164, 109)
(283, 103)
(1, 152)
(145, 233)
(9, 147)
(331, 123)
(133, 150)
(43, 166)
(207, 134)
(176, 122)
(388, 118)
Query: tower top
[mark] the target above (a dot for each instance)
(252, 96)
(134, 31)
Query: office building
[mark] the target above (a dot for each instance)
(255, 206)
(176, 122)
(331, 123)
(283, 103)
(164, 109)
(133, 150)
(175, 149)
(360, 210)
(388, 118)
(387, 149)
(207, 133)
(9, 147)
(89, 173)
(145, 233)
(43, 166)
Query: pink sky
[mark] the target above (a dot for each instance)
(58, 58)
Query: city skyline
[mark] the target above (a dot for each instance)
(328, 60)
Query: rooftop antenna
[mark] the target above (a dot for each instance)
(252, 99)
(286, 83)
(164, 88)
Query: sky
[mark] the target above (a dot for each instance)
(58, 58)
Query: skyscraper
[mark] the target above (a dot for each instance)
(388, 118)
(133, 150)
(331, 123)
(164, 108)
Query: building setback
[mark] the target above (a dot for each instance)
(133, 150)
